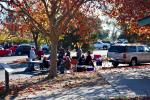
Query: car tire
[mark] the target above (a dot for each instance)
(115, 64)
(133, 62)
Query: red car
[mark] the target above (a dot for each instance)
(5, 52)
(13, 48)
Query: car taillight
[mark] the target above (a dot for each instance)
(124, 56)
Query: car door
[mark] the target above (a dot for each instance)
(147, 54)
(141, 56)
(27, 49)
(1, 52)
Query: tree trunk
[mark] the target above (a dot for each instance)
(35, 38)
(53, 66)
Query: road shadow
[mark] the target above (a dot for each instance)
(140, 66)
(33, 73)
(131, 82)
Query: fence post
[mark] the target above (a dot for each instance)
(6, 81)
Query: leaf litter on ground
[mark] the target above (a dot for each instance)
(32, 85)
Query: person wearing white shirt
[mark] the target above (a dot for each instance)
(32, 54)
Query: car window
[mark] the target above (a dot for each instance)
(27, 47)
(140, 49)
(131, 48)
(98, 43)
(146, 49)
(119, 49)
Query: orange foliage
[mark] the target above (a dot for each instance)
(129, 12)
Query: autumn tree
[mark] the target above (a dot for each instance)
(83, 28)
(4, 35)
(21, 26)
(127, 13)
(57, 16)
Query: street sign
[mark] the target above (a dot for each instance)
(144, 21)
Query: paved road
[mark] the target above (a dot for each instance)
(9, 59)
(13, 58)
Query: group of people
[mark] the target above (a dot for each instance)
(63, 61)
(82, 60)
(32, 55)
(86, 60)
(64, 58)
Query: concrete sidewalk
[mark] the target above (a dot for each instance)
(78, 93)
(129, 82)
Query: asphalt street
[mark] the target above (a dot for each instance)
(10, 59)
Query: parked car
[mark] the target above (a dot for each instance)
(13, 48)
(131, 54)
(1, 46)
(23, 49)
(45, 48)
(101, 45)
(5, 52)
(122, 41)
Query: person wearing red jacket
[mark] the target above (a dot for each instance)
(40, 54)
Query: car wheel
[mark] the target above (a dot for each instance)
(115, 64)
(133, 62)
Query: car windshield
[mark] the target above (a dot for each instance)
(118, 49)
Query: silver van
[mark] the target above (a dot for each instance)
(131, 54)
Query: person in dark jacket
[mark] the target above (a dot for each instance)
(68, 53)
(82, 60)
(88, 60)
(45, 63)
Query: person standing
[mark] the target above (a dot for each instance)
(32, 57)
(79, 53)
(68, 53)
(40, 54)
(32, 54)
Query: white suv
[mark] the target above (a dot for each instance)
(132, 54)
(101, 45)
